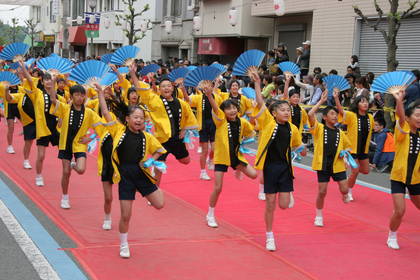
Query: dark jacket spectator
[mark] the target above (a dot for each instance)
(412, 93)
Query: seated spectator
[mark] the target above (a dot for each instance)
(269, 86)
(354, 64)
(384, 148)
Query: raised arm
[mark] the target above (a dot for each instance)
(115, 69)
(26, 74)
(102, 103)
(49, 86)
(180, 83)
(286, 87)
(312, 112)
(208, 91)
(255, 77)
(399, 106)
(336, 95)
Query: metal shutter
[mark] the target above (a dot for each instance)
(372, 51)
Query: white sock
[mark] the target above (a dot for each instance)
(261, 188)
(38, 175)
(65, 197)
(203, 171)
(269, 235)
(392, 235)
(124, 238)
(211, 212)
(319, 213)
(107, 217)
(350, 191)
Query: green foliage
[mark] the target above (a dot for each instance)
(8, 33)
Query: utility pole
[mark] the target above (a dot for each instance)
(66, 14)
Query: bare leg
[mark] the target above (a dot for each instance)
(65, 177)
(80, 165)
(27, 149)
(399, 211)
(10, 130)
(40, 159)
(203, 155)
(126, 207)
(248, 171)
(107, 187)
(322, 193)
(157, 199)
(218, 184)
(284, 200)
(270, 206)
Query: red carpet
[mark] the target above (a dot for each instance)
(175, 243)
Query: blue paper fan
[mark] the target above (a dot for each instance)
(9, 77)
(247, 59)
(14, 51)
(55, 64)
(203, 73)
(289, 67)
(108, 79)
(14, 65)
(219, 66)
(30, 62)
(248, 92)
(124, 55)
(392, 81)
(53, 55)
(192, 67)
(89, 71)
(178, 73)
(123, 70)
(335, 81)
(106, 58)
(151, 68)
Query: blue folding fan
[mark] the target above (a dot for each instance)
(335, 81)
(53, 55)
(192, 67)
(246, 60)
(121, 70)
(106, 58)
(14, 65)
(108, 79)
(14, 51)
(392, 81)
(178, 73)
(30, 62)
(124, 55)
(219, 66)
(55, 64)
(249, 92)
(9, 77)
(151, 68)
(202, 73)
(89, 72)
(289, 67)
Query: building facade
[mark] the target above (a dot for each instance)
(337, 33)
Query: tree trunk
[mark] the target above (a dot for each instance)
(391, 59)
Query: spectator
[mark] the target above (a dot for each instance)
(281, 53)
(317, 70)
(361, 89)
(317, 90)
(271, 58)
(306, 88)
(305, 57)
(384, 146)
(412, 93)
(354, 64)
(299, 52)
(369, 78)
(269, 86)
(333, 72)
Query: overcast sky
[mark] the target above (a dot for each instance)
(21, 12)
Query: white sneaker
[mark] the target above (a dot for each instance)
(204, 176)
(393, 243)
(199, 150)
(350, 196)
(26, 164)
(292, 201)
(124, 251)
(346, 198)
(10, 150)
(270, 244)
(211, 222)
(107, 225)
(39, 181)
(65, 204)
(210, 164)
(261, 196)
(319, 221)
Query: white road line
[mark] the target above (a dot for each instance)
(41, 265)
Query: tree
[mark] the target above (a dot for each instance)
(132, 33)
(31, 32)
(394, 19)
(14, 30)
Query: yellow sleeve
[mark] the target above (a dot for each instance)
(154, 145)
(296, 136)
(58, 109)
(314, 130)
(347, 118)
(223, 96)
(263, 117)
(91, 93)
(248, 129)
(194, 99)
(15, 97)
(305, 119)
(91, 104)
(346, 143)
(219, 117)
(191, 121)
(248, 105)
(401, 132)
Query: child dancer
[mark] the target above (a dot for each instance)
(277, 138)
(359, 131)
(131, 148)
(329, 141)
(230, 131)
(405, 172)
(76, 123)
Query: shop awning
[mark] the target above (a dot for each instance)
(77, 36)
(220, 46)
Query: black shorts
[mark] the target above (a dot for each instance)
(29, 131)
(399, 187)
(175, 147)
(277, 178)
(133, 179)
(360, 156)
(107, 168)
(208, 132)
(12, 111)
(224, 168)
(54, 139)
(68, 155)
(324, 176)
